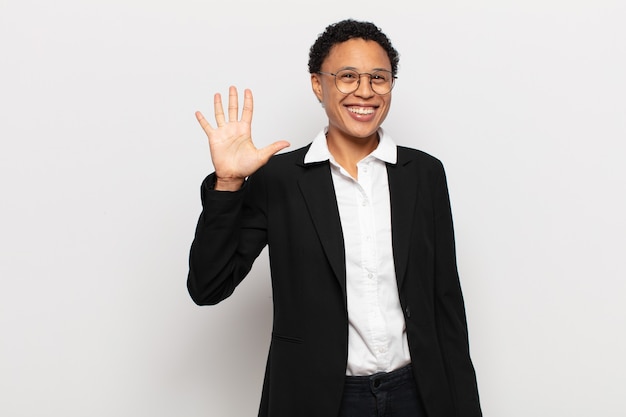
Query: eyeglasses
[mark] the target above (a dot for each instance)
(348, 81)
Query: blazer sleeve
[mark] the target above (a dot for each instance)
(450, 309)
(230, 234)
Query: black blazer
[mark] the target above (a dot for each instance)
(291, 207)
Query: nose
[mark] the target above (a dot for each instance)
(364, 89)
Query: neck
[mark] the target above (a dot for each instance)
(348, 151)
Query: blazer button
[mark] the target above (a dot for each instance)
(408, 312)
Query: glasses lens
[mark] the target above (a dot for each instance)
(382, 82)
(347, 81)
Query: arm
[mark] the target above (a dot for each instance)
(450, 308)
(231, 231)
(230, 234)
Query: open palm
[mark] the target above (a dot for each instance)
(233, 153)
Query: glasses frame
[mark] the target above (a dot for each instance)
(358, 83)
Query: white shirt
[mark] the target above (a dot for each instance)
(376, 332)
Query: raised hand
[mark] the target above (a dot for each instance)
(233, 153)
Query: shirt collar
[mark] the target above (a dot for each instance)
(386, 150)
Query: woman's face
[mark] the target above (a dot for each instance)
(358, 115)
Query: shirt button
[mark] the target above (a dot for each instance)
(370, 275)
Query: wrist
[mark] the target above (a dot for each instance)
(228, 184)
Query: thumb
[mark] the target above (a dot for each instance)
(266, 153)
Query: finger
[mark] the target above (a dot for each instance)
(248, 106)
(233, 104)
(203, 122)
(219, 110)
(266, 153)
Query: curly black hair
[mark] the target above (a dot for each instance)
(345, 30)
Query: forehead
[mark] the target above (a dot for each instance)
(357, 53)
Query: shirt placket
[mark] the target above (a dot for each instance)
(369, 262)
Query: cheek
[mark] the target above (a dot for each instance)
(387, 106)
(327, 93)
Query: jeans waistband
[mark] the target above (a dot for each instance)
(380, 381)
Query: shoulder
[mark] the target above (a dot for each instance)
(421, 159)
(283, 166)
(286, 162)
(295, 156)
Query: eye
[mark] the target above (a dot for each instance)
(381, 77)
(348, 76)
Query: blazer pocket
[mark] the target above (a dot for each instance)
(288, 339)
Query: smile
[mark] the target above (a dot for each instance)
(361, 110)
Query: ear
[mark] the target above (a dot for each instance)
(316, 85)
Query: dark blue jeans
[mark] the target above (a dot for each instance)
(391, 394)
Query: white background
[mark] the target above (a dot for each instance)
(101, 161)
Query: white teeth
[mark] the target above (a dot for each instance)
(361, 110)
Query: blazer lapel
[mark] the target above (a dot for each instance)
(403, 188)
(318, 191)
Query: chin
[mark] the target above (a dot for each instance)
(363, 133)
